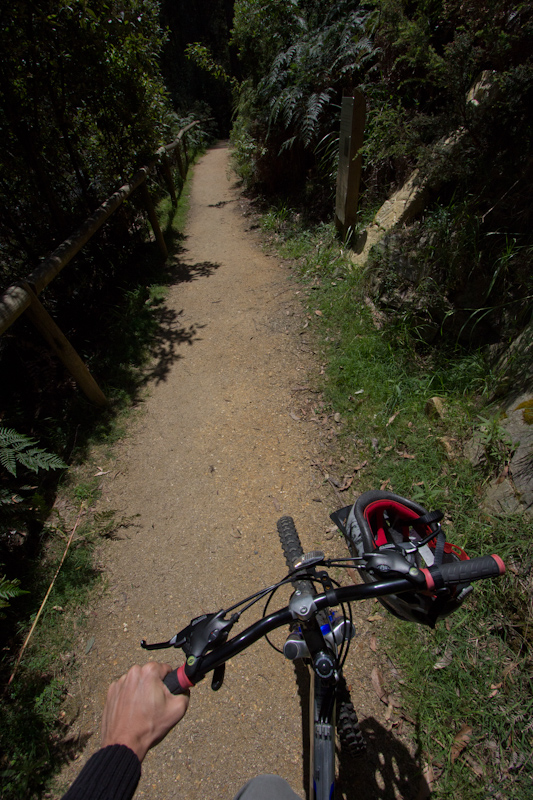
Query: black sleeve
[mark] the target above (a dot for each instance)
(111, 774)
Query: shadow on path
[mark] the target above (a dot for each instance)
(170, 335)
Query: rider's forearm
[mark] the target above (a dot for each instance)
(110, 774)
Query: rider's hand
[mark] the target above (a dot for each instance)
(139, 709)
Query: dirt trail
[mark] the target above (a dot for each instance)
(215, 456)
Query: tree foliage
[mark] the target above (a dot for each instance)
(454, 99)
(434, 72)
(81, 105)
(299, 58)
(200, 28)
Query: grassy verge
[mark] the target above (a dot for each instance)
(35, 709)
(467, 684)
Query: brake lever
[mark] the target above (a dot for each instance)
(202, 634)
(180, 639)
(382, 563)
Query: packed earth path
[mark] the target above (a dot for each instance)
(230, 436)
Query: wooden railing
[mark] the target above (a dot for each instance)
(22, 297)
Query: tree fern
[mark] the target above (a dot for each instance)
(306, 77)
(16, 448)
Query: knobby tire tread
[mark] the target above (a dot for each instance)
(292, 549)
(290, 541)
(350, 734)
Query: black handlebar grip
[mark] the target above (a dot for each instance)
(177, 682)
(473, 569)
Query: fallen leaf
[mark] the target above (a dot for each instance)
(373, 644)
(403, 454)
(101, 472)
(346, 484)
(443, 662)
(377, 683)
(360, 466)
(507, 671)
(393, 670)
(460, 741)
(375, 618)
(295, 416)
(386, 485)
(89, 645)
(391, 419)
(448, 446)
(318, 313)
(476, 768)
(394, 702)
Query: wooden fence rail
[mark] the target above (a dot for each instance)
(22, 296)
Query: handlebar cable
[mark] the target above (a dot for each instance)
(254, 598)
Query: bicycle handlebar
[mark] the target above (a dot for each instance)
(450, 574)
(473, 569)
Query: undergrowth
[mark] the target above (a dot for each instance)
(473, 716)
(36, 711)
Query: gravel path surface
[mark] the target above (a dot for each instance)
(220, 449)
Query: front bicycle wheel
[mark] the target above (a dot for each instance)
(322, 695)
(290, 541)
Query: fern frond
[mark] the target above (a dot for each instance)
(287, 144)
(315, 106)
(8, 590)
(35, 459)
(17, 448)
(8, 461)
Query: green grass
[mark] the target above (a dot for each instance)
(379, 378)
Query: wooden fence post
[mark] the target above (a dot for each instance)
(61, 346)
(165, 163)
(353, 114)
(184, 143)
(152, 216)
(181, 166)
